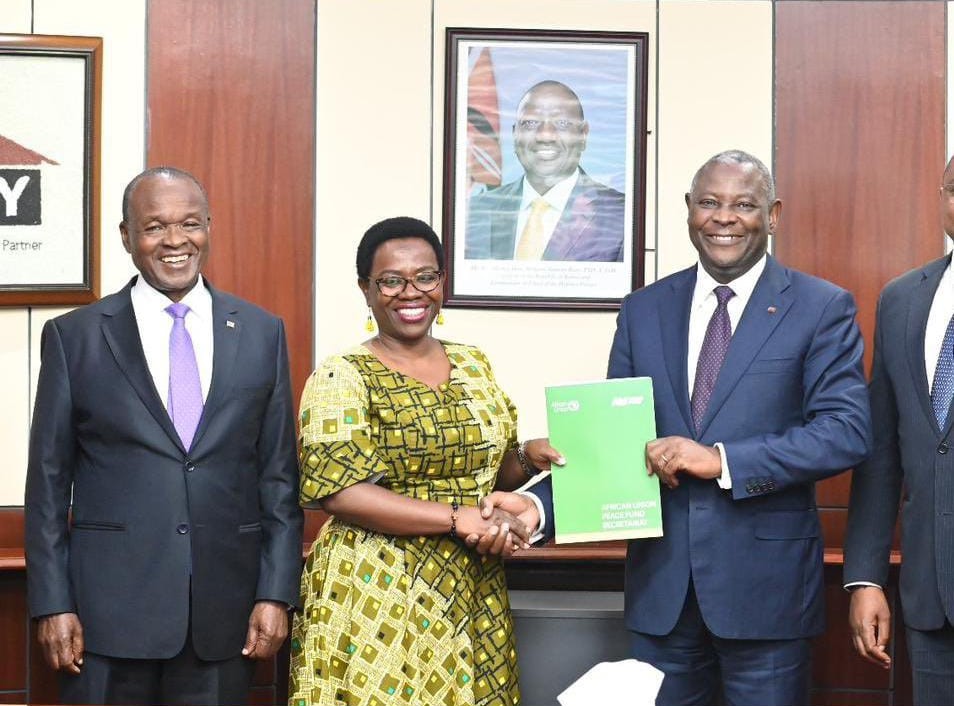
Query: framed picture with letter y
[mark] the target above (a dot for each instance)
(49, 169)
(545, 167)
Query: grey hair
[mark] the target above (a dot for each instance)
(739, 157)
(169, 173)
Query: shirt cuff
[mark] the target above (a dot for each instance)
(860, 584)
(538, 534)
(725, 480)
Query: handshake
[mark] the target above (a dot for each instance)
(505, 521)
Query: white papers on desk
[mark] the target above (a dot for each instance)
(625, 683)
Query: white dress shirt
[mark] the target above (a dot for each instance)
(556, 197)
(155, 325)
(942, 308)
(704, 303)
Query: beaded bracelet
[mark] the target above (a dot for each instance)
(529, 470)
(455, 506)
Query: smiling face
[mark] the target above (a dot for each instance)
(730, 219)
(407, 316)
(550, 134)
(167, 233)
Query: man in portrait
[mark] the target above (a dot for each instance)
(163, 533)
(555, 211)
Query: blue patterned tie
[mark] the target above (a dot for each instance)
(185, 389)
(714, 347)
(942, 391)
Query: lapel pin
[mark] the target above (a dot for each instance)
(772, 310)
(229, 324)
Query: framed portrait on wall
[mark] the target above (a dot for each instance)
(49, 168)
(544, 171)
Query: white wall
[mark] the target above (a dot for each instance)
(122, 27)
(380, 75)
(710, 94)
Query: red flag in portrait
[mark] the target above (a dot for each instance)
(483, 124)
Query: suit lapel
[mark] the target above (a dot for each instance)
(226, 333)
(577, 216)
(770, 301)
(503, 222)
(921, 299)
(675, 339)
(122, 337)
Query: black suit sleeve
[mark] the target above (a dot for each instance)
(876, 483)
(49, 482)
(278, 491)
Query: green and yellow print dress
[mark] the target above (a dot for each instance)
(402, 620)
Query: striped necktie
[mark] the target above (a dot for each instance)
(712, 354)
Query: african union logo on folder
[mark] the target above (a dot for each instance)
(603, 492)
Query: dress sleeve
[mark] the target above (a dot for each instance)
(336, 449)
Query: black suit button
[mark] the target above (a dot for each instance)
(190, 467)
(943, 448)
(183, 529)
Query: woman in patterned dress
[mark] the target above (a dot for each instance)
(400, 438)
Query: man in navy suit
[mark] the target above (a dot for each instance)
(163, 541)
(556, 211)
(729, 597)
(912, 385)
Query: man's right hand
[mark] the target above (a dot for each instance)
(61, 638)
(870, 621)
(522, 507)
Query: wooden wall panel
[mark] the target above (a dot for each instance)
(231, 95)
(859, 149)
(859, 146)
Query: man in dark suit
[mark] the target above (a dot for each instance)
(555, 211)
(912, 384)
(759, 392)
(163, 533)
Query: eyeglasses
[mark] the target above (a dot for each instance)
(560, 125)
(424, 282)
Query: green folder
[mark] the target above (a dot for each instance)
(603, 492)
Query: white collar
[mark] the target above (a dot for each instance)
(556, 196)
(198, 299)
(743, 285)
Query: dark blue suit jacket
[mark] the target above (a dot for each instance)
(590, 228)
(791, 408)
(161, 537)
(911, 463)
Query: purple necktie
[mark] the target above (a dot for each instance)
(714, 346)
(185, 390)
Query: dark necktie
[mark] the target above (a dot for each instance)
(714, 347)
(942, 391)
(185, 390)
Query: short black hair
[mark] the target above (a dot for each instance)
(168, 172)
(389, 229)
(550, 83)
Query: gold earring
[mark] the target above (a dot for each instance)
(440, 318)
(369, 324)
